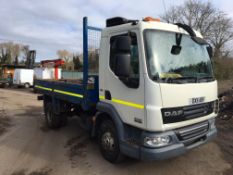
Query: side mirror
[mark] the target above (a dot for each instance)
(122, 51)
(122, 44)
(122, 67)
(210, 51)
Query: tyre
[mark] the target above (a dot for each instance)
(34, 90)
(27, 85)
(53, 120)
(3, 85)
(109, 142)
(63, 120)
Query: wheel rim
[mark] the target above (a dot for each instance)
(108, 142)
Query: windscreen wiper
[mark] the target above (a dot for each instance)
(205, 78)
(180, 80)
(189, 78)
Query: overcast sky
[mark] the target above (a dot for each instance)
(49, 25)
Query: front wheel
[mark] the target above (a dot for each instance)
(109, 142)
(53, 120)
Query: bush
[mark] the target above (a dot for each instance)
(223, 68)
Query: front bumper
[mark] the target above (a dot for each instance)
(175, 149)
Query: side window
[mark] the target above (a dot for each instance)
(133, 80)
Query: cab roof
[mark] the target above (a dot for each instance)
(118, 24)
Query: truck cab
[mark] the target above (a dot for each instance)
(158, 79)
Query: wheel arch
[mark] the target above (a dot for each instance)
(107, 111)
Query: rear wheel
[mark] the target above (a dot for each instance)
(52, 120)
(63, 119)
(109, 142)
(4, 85)
(27, 85)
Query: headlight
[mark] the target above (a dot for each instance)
(212, 124)
(157, 141)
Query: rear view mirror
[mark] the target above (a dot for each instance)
(175, 50)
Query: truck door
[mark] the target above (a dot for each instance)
(126, 97)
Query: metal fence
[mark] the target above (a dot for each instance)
(91, 44)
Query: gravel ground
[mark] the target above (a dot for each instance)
(28, 147)
(5, 122)
(225, 122)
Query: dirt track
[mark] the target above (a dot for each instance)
(28, 147)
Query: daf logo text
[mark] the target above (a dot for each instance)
(173, 113)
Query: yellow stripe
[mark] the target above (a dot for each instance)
(68, 93)
(61, 92)
(135, 105)
(44, 88)
(128, 103)
(101, 97)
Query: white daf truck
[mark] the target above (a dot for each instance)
(155, 96)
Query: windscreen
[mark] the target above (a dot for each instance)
(191, 65)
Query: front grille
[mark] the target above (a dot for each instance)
(187, 112)
(193, 133)
(195, 111)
